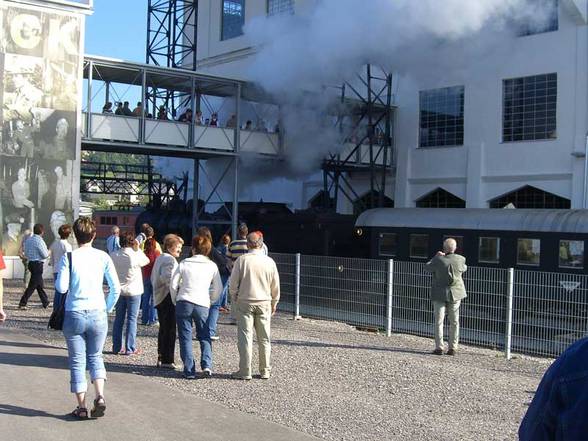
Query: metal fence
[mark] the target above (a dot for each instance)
(525, 311)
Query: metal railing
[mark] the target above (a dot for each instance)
(507, 309)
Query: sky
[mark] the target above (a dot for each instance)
(118, 29)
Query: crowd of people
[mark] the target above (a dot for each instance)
(147, 279)
(141, 274)
(188, 116)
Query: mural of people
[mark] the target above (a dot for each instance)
(40, 65)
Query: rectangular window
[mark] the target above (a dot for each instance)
(571, 254)
(233, 19)
(103, 220)
(419, 245)
(546, 18)
(388, 244)
(280, 7)
(441, 117)
(528, 252)
(529, 108)
(459, 240)
(489, 250)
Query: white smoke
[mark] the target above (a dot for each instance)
(338, 36)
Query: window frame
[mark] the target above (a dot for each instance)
(420, 143)
(222, 19)
(528, 264)
(527, 32)
(380, 237)
(288, 12)
(497, 261)
(521, 104)
(410, 236)
(559, 265)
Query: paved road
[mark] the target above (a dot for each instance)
(35, 402)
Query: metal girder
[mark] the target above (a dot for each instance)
(372, 108)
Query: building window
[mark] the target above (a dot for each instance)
(489, 250)
(571, 254)
(419, 245)
(233, 18)
(440, 199)
(280, 7)
(441, 117)
(458, 240)
(528, 252)
(529, 108)
(546, 20)
(530, 197)
(388, 244)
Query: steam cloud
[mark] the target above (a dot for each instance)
(331, 43)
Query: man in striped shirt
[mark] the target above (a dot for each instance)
(238, 247)
(36, 252)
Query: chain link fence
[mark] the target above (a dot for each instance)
(529, 312)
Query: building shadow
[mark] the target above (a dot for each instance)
(318, 344)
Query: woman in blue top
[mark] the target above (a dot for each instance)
(86, 323)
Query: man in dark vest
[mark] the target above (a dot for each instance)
(447, 292)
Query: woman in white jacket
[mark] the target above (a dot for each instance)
(163, 269)
(194, 285)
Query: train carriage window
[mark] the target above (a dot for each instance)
(571, 254)
(528, 252)
(459, 240)
(388, 244)
(419, 245)
(489, 250)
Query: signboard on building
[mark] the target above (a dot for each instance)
(40, 79)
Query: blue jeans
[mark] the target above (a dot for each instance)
(214, 310)
(57, 296)
(185, 313)
(148, 311)
(127, 306)
(85, 334)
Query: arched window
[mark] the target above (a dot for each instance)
(440, 198)
(530, 197)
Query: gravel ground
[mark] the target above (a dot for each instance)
(337, 383)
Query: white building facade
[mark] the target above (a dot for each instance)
(509, 129)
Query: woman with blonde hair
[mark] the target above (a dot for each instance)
(163, 269)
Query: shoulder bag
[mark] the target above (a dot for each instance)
(58, 314)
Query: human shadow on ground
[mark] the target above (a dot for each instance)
(8, 409)
(18, 344)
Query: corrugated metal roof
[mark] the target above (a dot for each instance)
(557, 221)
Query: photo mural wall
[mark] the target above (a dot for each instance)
(40, 77)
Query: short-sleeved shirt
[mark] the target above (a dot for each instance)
(237, 248)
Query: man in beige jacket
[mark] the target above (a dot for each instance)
(254, 287)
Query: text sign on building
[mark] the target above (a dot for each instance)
(40, 77)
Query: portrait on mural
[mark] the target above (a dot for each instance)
(39, 80)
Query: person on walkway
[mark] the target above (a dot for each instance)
(127, 110)
(447, 292)
(26, 277)
(163, 269)
(148, 311)
(2, 268)
(223, 265)
(560, 405)
(238, 247)
(128, 262)
(36, 252)
(59, 248)
(195, 284)
(254, 286)
(113, 241)
(85, 324)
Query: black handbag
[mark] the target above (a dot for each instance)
(58, 314)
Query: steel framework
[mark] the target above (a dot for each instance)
(171, 42)
(129, 180)
(368, 104)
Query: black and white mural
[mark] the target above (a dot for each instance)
(40, 65)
